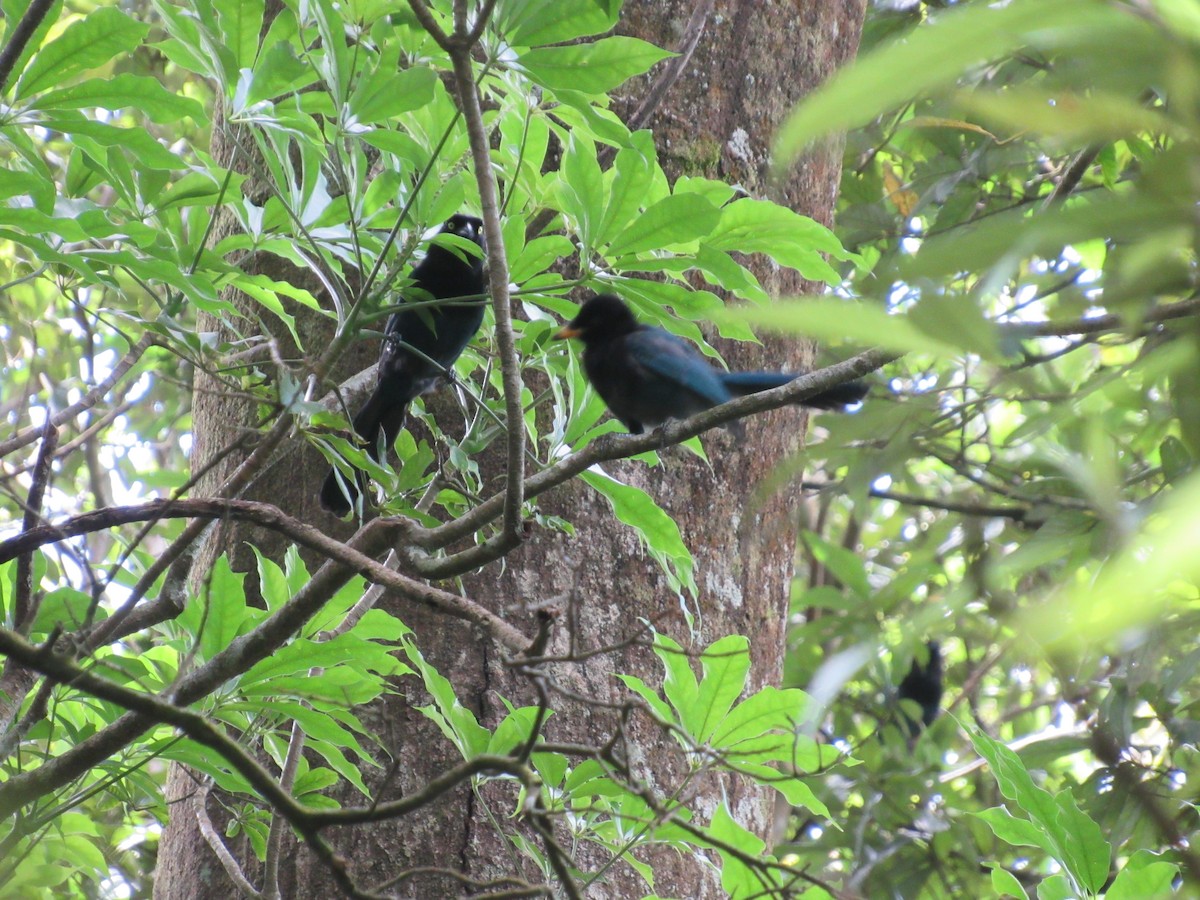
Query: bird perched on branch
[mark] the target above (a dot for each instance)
(647, 375)
(420, 345)
(923, 685)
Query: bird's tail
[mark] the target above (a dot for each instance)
(742, 383)
(383, 413)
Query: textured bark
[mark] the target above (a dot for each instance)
(755, 60)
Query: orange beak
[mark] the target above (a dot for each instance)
(567, 332)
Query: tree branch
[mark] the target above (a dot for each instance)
(228, 863)
(613, 446)
(345, 560)
(674, 67)
(510, 365)
(24, 609)
(1016, 513)
(88, 400)
(21, 34)
(1111, 322)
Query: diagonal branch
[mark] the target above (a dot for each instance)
(20, 37)
(88, 400)
(613, 446)
(1110, 322)
(345, 561)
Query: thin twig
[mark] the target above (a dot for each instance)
(1016, 513)
(88, 400)
(19, 39)
(692, 33)
(1110, 322)
(24, 609)
(228, 863)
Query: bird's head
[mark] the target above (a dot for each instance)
(604, 316)
(468, 227)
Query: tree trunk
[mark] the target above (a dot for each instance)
(751, 65)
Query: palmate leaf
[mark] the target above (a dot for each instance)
(1055, 821)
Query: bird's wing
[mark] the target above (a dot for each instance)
(671, 358)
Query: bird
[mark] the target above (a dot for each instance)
(420, 345)
(647, 375)
(923, 686)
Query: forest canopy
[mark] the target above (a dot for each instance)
(989, 680)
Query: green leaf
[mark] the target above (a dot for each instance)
(725, 664)
(342, 686)
(514, 731)
(539, 255)
(739, 879)
(279, 72)
(650, 695)
(679, 681)
(637, 509)
(1013, 830)
(552, 767)
(632, 177)
(1145, 876)
(298, 656)
(793, 789)
(455, 721)
(1005, 883)
(837, 321)
(933, 55)
(845, 565)
(93, 136)
(594, 68)
(759, 226)
(718, 192)
(1008, 237)
(784, 744)
(677, 219)
(15, 183)
(240, 23)
(722, 270)
(771, 709)
(137, 92)
(1073, 838)
(581, 187)
(1088, 854)
(1056, 887)
(1096, 116)
(386, 92)
(1160, 554)
(956, 320)
(337, 760)
(86, 43)
(219, 613)
(63, 606)
(531, 23)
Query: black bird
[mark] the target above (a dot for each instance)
(923, 685)
(419, 346)
(647, 375)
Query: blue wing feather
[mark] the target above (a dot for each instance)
(671, 358)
